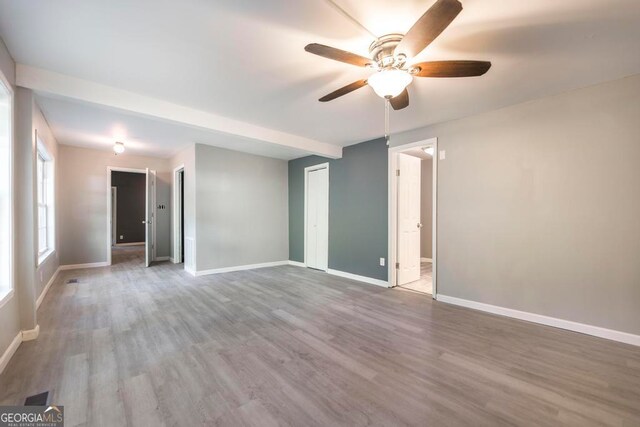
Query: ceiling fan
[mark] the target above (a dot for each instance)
(390, 55)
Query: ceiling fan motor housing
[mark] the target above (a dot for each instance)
(382, 50)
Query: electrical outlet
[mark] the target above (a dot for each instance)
(381, 262)
(121, 237)
(443, 155)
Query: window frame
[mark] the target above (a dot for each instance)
(7, 289)
(45, 198)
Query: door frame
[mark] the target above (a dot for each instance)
(114, 216)
(308, 170)
(119, 169)
(178, 201)
(393, 209)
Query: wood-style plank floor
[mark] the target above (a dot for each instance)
(290, 346)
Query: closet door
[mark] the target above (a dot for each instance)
(317, 221)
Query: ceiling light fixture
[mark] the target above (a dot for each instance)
(428, 150)
(389, 83)
(118, 148)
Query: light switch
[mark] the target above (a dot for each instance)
(442, 155)
(382, 262)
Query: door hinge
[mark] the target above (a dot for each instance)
(397, 265)
(397, 172)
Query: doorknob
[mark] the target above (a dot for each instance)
(419, 225)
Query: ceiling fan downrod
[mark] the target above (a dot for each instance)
(387, 137)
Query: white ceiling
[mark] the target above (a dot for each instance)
(244, 59)
(87, 125)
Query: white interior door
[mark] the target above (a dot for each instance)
(317, 223)
(150, 214)
(408, 219)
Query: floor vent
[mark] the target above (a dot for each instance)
(72, 281)
(37, 399)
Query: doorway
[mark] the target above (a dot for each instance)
(178, 215)
(412, 217)
(131, 224)
(316, 217)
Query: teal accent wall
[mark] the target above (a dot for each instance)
(358, 201)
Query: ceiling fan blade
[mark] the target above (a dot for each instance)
(451, 68)
(344, 90)
(338, 55)
(401, 101)
(428, 27)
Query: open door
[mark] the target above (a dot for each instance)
(150, 218)
(408, 219)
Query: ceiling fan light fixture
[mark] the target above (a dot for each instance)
(118, 148)
(390, 83)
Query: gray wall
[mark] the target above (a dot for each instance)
(241, 208)
(426, 208)
(48, 267)
(25, 208)
(357, 209)
(130, 206)
(539, 206)
(83, 220)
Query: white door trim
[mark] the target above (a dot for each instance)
(114, 216)
(307, 170)
(109, 170)
(177, 214)
(393, 207)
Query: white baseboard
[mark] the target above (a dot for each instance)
(80, 266)
(131, 244)
(162, 258)
(426, 260)
(31, 334)
(297, 263)
(46, 288)
(9, 352)
(596, 331)
(364, 279)
(236, 268)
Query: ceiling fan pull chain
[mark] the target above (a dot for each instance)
(387, 137)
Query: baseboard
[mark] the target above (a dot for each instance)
(46, 288)
(596, 331)
(130, 244)
(363, 279)
(237, 268)
(162, 258)
(80, 266)
(31, 334)
(297, 263)
(426, 260)
(9, 352)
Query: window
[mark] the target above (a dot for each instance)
(6, 205)
(46, 222)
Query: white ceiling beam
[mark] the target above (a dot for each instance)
(56, 84)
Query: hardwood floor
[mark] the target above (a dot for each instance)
(291, 346)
